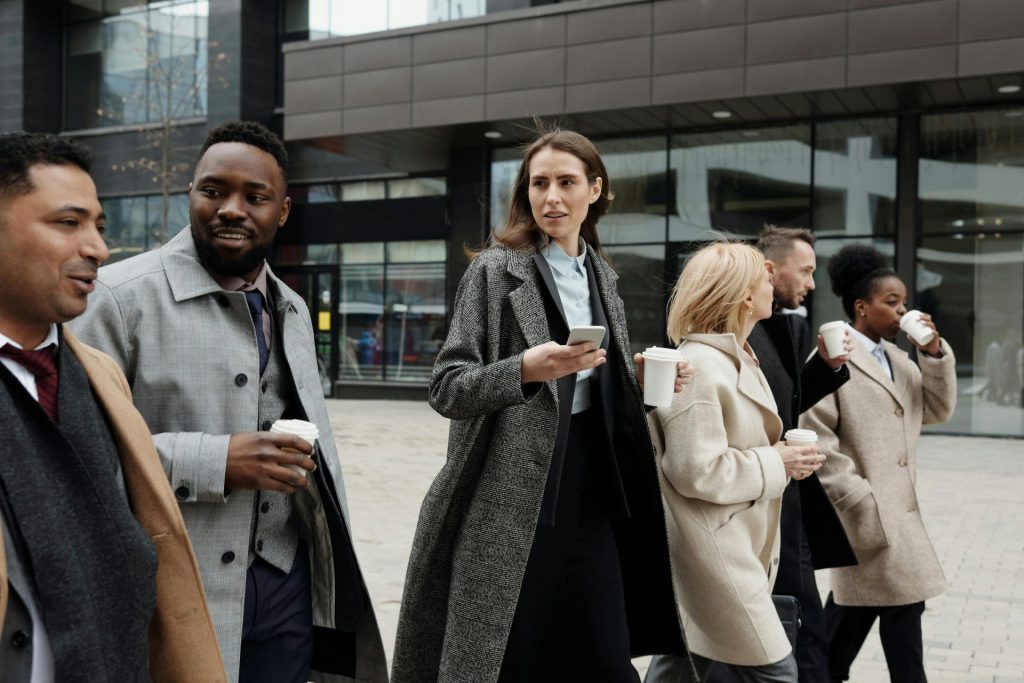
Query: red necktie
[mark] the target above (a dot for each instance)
(43, 365)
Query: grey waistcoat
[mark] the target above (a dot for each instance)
(274, 535)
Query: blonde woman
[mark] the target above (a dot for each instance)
(723, 470)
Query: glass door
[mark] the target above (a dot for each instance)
(318, 287)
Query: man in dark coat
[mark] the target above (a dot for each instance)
(812, 537)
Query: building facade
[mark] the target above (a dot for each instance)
(894, 122)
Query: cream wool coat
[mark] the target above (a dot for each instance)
(722, 483)
(868, 430)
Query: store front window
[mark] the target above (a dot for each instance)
(970, 275)
(136, 224)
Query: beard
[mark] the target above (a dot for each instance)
(235, 265)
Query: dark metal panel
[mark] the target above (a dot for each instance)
(369, 221)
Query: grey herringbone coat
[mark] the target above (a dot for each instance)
(477, 521)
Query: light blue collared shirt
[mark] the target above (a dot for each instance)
(570, 274)
(876, 350)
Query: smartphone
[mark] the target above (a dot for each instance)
(581, 334)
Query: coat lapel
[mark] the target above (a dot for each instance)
(549, 281)
(873, 369)
(900, 376)
(527, 304)
(747, 382)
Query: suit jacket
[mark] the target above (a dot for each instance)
(189, 352)
(797, 386)
(869, 431)
(478, 519)
(182, 642)
(723, 483)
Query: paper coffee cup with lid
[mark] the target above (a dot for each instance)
(918, 331)
(660, 375)
(307, 431)
(834, 334)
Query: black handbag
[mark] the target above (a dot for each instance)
(788, 608)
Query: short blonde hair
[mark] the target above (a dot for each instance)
(709, 296)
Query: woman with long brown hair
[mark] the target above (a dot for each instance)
(541, 550)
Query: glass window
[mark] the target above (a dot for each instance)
(361, 311)
(643, 289)
(134, 63)
(323, 193)
(738, 180)
(137, 224)
(364, 191)
(971, 260)
(315, 19)
(415, 309)
(855, 177)
(504, 166)
(417, 187)
(637, 169)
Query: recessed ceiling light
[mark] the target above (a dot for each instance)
(1008, 89)
(492, 134)
(1015, 114)
(721, 114)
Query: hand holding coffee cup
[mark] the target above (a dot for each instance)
(835, 343)
(799, 452)
(267, 461)
(921, 331)
(684, 372)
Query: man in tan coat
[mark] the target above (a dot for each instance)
(97, 577)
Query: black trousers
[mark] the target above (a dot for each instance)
(277, 626)
(812, 638)
(570, 620)
(899, 629)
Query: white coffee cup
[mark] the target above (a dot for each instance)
(835, 335)
(307, 431)
(660, 375)
(800, 437)
(918, 331)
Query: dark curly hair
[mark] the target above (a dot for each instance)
(21, 151)
(249, 133)
(855, 271)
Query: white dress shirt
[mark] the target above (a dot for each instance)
(570, 274)
(42, 653)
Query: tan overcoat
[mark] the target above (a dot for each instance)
(722, 483)
(868, 430)
(182, 643)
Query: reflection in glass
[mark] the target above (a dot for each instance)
(415, 309)
(360, 311)
(316, 19)
(643, 290)
(972, 253)
(504, 166)
(135, 224)
(855, 177)
(738, 180)
(637, 169)
(135, 63)
(363, 191)
(417, 187)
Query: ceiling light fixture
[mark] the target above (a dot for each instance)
(721, 114)
(1008, 89)
(492, 134)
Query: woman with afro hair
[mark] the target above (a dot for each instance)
(868, 430)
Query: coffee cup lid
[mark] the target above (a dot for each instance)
(306, 430)
(832, 325)
(801, 435)
(661, 353)
(910, 315)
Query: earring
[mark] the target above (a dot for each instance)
(862, 314)
(750, 312)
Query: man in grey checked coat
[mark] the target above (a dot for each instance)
(216, 349)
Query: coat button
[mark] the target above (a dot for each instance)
(181, 493)
(903, 462)
(223, 301)
(259, 545)
(241, 380)
(228, 557)
(899, 412)
(20, 639)
(265, 507)
(265, 426)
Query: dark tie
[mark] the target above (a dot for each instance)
(255, 301)
(43, 365)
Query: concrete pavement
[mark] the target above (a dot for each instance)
(971, 492)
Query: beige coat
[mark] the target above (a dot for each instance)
(182, 643)
(868, 430)
(722, 483)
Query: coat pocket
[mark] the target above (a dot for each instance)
(863, 523)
